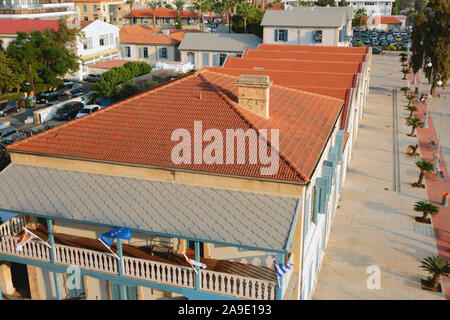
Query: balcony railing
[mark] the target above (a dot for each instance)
(146, 270)
(13, 226)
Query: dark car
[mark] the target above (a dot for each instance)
(69, 110)
(92, 77)
(8, 107)
(377, 51)
(6, 134)
(48, 96)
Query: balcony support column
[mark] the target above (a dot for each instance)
(51, 242)
(122, 288)
(197, 258)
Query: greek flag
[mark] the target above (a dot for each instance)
(281, 270)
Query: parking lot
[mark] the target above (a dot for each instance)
(380, 38)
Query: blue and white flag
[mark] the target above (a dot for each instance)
(108, 238)
(281, 270)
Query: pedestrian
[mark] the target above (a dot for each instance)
(422, 98)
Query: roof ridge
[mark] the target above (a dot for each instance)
(45, 132)
(233, 105)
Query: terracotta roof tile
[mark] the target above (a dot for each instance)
(386, 20)
(145, 137)
(109, 64)
(12, 26)
(304, 55)
(323, 49)
(161, 13)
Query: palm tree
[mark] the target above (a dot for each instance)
(411, 108)
(405, 89)
(154, 4)
(130, 3)
(424, 167)
(437, 267)
(246, 11)
(179, 4)
(410, 98)
(201, 6)
(403, 60)
(426, 208)
(405, 71)
(414, 123)
(412, 150)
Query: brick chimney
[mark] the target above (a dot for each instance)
(253, 93)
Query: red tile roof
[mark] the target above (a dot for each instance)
(12, 26)
(161, 13)
(303, 55)
(147, 121)
(386, 20)
(109, 64)
(323, 49)
(144, 34)
(289, 65)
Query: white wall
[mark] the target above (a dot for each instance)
(303, 36)
(94, 30)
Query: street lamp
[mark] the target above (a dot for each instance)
(436, 157)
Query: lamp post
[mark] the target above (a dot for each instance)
(436, 157)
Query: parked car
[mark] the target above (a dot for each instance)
(48, 96)
(88, 110)
(69, 110)
(72, 88)
(366, 41)
(384, 43)
(5, 135)
(398, 39)
(8, 107)
(377, 50)
(92, 77)
(382, 37)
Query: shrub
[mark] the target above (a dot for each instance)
(5, 159)
(127, 90)
(150, 84)
(11, 96)
(392, 47)
(386, 48)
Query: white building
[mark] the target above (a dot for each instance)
(38, 9)
(308, 26)
(100, 43)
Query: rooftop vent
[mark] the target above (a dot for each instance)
(253, 93)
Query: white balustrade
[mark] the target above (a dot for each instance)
(13, 226)
(237, 286)
(32, 249)
(159, 272)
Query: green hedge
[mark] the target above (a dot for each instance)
(11, 96)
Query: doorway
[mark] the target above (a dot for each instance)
(19, 274)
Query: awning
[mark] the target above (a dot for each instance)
(251, 220)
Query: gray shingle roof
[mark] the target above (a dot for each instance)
(223, 216)
(308, 17)
(236, 42)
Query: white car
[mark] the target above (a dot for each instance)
(90, 108)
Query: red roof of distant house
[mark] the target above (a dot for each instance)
(12, 26)
(323, 49)
(109, 64)
(386, 20)
(303, 55)
(304, 120)
(160, 13)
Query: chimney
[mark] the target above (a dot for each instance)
(253, 93)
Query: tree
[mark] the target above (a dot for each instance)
(437, 267)
(412, 109)
(246, 11)
(324, 3)
(360, 18)
(430, 34)
(154, 4)
(414, 123)
(10, 78)
(178, 24)
(426, 208)
(168, 6)
(395, 10)
(403, 59)
(253, 23)
(201, 6)
(405, 71)
(343, 3)
(419, 5)
(410, 98)
(405, 90)
(130, 3)
(424, 167)
(179, 4)
(5, 159)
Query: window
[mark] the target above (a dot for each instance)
(145, 52)
(111, 38)
(84, 8)
(86, 18)
(317, 36)
(163, 53)
(95, 16)
(206, 59)
(104, 8)
(103, 40)
(87, 44)
(281, 35)
(95, 8)
(222, 58)
(127, 52)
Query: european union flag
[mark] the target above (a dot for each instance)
(108, 237)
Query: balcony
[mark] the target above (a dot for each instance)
(221, 277)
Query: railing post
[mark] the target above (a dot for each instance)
(197, 258)
(280, 289)
(122, 288)
(51, 242)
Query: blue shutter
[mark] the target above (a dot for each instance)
(321, 193)
(316, 202)
(286, 35)
(132, 293)
(307, 213)
(115, 291)
(276, 34)
(327, 172)
(314, 36)
(340, 144)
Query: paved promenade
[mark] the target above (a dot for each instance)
(374, 226)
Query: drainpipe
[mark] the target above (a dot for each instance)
(280, 289)
(197, 258)
(122, 288)
(51, 241)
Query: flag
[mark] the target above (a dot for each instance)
(24, 238)
(108, 238)
(194, 263)
(281, 270)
